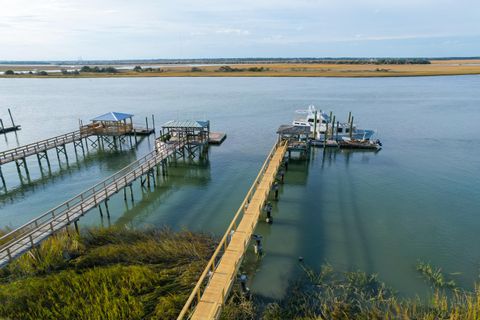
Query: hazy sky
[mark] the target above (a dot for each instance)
(107, 29)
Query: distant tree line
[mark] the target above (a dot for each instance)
(251, 69)
(39, 73)
(147, 69)
(98, 69)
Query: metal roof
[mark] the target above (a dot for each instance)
(294, 130)
(113, 116)
(186, 124)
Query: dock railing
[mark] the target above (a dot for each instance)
(99, 192)
(196, 294)
(39, 146)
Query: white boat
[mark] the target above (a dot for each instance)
(321, 124)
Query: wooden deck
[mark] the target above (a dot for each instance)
(216, 137)
(41, 146)
(32, 233)
(220, 273)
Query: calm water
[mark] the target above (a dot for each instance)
(379, 212)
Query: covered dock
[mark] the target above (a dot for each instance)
(297, 138)
(110, 124)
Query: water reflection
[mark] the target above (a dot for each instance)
(180, 174)
(108, 160)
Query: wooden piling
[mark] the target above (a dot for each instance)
(351, 127)
(11, 118)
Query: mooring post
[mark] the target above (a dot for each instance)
(76, 227)
(3, 179)
(131, 192)
(1, 124)
(336, 133)
(125, 194)
(11, 118)
(349, 116)
(333, 128)
(257, 246)
(275, 187)
(153, 123)
(106, 207)
(100, 208)
(325, 135)
(351, 127)
(40, 163)
(83, 149)
(146, 122)
(65, 152)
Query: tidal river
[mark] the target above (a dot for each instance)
(416, 199)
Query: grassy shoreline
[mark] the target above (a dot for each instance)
(118, 273)
(105, 274)
(436, 68)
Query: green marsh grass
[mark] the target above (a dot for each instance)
(327, 294)
(105, 274)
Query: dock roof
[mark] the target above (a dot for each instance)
(293, 130)
(113, 116)
(186, 124)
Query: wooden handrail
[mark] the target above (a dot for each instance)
(46, 143)
(196, 292)
(10, 239)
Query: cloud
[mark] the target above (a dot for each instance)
(116, 29)
(238, 32)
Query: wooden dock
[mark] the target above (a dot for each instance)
(42, 146)
(215, 283)
(216, 137)
(32, 233)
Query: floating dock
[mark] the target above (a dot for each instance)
(216, 137)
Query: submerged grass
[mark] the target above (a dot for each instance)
(105, 274)
(327, 294)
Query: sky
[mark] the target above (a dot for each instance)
(144, 29)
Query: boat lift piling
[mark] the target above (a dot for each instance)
(14, 127)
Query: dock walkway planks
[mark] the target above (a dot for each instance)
(41, 146)
(221, 275)
(32, 233)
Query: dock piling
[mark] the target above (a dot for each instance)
(11, 118)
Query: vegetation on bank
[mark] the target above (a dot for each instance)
(328, 294)
(105, 274)
(97, 69)
(117, 273)
(329, 69)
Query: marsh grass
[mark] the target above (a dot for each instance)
(105, 274)
(327, 294)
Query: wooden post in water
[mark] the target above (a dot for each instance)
(153, 123)
(349, 116)
(351, 127)
(325, 136)
(336, 133)
(333, 127)
(11, 118)
(315, 126)
(146, 122)
(1, 125)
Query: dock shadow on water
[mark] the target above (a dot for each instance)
(317, 218)
(162, 204)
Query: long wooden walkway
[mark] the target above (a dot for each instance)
(42, 146)
(32, 233)
(220, 273)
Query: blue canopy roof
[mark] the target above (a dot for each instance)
(113, 116)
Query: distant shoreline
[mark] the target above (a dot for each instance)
(344, 70)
